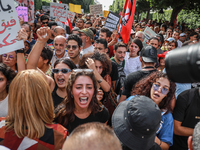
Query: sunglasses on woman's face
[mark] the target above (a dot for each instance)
(74, 47)
(63, 70)
(164, 90)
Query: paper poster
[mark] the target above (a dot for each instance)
(96, 9)
(149, 33)
(112, 21)
(75, 8)
(22, 11)
(58, 11)
(105, 13)
(70, 16)
(30, 5)
(46, 8)
(9, 26)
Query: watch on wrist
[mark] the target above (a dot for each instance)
(99, 81)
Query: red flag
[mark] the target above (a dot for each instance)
(68, 23)
(127, 20)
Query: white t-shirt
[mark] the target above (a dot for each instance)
(87, 50)
(4, 107)
(132, 64)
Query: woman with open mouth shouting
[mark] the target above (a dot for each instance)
(60, 73)
(81, 104)
(161, 90)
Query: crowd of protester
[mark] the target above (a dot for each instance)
(83, 88)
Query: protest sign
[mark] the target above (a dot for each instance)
(22, 11)
(112, 21)
(82, 11)
(75, 8)
(105, 13)
(149, 33)
(9, 26)
(96, 9)
(70, 16)
(58, 11)
(30, 5)
(46, 8)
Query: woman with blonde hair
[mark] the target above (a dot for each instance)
(30, 115)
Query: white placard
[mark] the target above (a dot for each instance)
(58, 11)
(46, 8)
(96, 9)
(9, 26)
(71, 16)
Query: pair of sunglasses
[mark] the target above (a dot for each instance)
(164, 90)
(63, 70)
(74, 47)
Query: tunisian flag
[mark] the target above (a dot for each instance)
(68, 23)
(127, 20)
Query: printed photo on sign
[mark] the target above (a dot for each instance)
(9, 27)
(58, 11)
(30, 5)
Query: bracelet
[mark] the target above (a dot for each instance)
(160, 143)
(39, 41)
(99, 81)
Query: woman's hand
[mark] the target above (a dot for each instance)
(90, 64)
(22, 35)
(99, 95)
(43, 34)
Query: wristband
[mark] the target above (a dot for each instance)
(99, 81)
(20, 50)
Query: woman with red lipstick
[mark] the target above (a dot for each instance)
(161, 90)
(81, 105)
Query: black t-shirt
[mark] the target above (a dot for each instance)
(56, 99)
(186, 112)
(154, 147)
(114, 72)
(101, 116)
(132, 78)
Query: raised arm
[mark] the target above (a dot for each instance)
(22, 35)
(91, 65)
(43, 35)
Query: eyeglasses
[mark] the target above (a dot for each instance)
(74, 47)
(45, 22)
(82, 70)
(63, 70)
(164, 90)
(8, 56)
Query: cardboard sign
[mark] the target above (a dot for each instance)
(112, 21)
(70, 16)
(105, 13)
(96, 9)
(75, 8)
(58, 11)
(30, 5)
(149, 33)
(9, 26)
(22, 11)
(46, 8)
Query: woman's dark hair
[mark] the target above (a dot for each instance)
(143, 87)
(8, 73)
(65, 111)
(102, 57)
(66, 61)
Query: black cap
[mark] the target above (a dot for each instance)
(149, 54)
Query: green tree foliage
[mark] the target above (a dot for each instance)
(38, 4)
